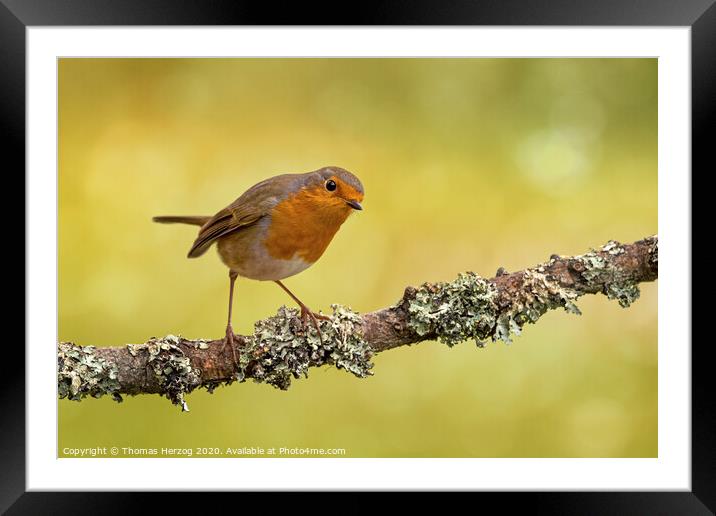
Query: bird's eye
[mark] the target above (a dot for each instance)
(330, 185)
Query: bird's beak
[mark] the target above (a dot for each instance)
(355, 205)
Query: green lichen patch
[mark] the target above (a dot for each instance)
(454, 311)
(281, 348)
(595, 267)
(624, 292)
(81, 373)
(613, 247)
(611, 280)
(506, 325)
(172, 369)
(537, 295)
(466, 308)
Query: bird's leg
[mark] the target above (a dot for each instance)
(229, 339)
(306, 312)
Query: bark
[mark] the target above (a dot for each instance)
(281, 348)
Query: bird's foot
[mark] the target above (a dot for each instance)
(306, 314)
(230, 339)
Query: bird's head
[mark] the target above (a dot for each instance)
(334, 189)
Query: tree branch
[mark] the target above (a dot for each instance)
(470, 307)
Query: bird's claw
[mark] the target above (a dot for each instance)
(229, 339)
(307, 313)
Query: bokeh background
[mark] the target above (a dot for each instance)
(468, 164)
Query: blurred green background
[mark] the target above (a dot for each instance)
(468, 164)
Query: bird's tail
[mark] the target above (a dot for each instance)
(197, 220)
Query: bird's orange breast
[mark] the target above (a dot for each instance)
(303, 225)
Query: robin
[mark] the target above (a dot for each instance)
(277, 228)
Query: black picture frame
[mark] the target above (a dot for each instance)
(699, 15)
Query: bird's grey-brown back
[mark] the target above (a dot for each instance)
(268, 193)
(252, 206)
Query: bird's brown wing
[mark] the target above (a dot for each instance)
(219, 225)
(245, 211)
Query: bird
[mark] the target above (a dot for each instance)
(276, 229)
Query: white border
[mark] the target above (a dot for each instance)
(670, 471)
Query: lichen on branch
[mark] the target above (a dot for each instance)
(282, 348)
(455, 311)
(81, 373)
